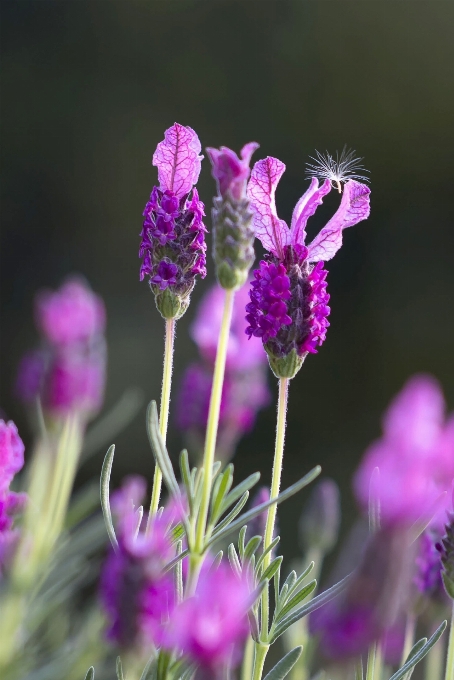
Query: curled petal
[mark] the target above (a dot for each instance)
(272, 232)
(177, 159)
(306, 207)
(354, 207)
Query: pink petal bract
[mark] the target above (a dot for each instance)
(177, 159)
(354, 207)
(306, 207)
(272, 232)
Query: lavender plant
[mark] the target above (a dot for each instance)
(179, 600)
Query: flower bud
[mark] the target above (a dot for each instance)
(319, 523)
(233, 235)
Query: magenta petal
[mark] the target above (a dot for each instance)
(272, 232)
(177, 159)
(306, 207)
(354, 207)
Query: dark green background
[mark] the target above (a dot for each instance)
(87, 91)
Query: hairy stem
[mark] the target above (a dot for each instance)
(164, 410)
(213, 419)
(259, 662)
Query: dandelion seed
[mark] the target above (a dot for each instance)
(343, 167)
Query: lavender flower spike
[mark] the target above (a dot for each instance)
(233, 234)
(11, 461)
(173, 242)
(289, 301)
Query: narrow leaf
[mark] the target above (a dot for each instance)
(271, 547)
(311, 606)
(301, 578)
(239, 490)
(159, 450)
(222, 487)
(119, 667)
(90, 674)
(234, 512)
(416, 658)
(285, 665)
(273, 568)
(186, 477)
(252, 546)
(217, 560)
(170, 565)
(105, 494)
(233, 559)
(241, 539)
(253, 512)
(296, 599)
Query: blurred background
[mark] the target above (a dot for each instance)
(88, 89)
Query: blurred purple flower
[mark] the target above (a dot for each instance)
(173, 244)
(231, 173)
(427, 578)
(288, 306)
(210, 627)
(136, 594)
(415, 456)
(11, 503)
(68, 372)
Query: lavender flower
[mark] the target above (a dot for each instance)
(446, 549)
(210, 627)
(245, 389)
(11, 461)
(68, 372)
(136, 594)
(173, 242)
(415, 457)
(233, 234)
(427, 578)
(289, 301)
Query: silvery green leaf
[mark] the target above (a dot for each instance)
(273, 568)
(216, 467)
(241, 539)
(234, 561)
(170, 565)
(251, 547)
(159, 450)
(178, 574)
(239, 490)
(415, 656)
(359, 670)
(311, 606)
(285, 665)
(163, 664)
(234, 512)
(301, 578)
(290, 581)
(177, 533)
(186, 477)
(220, 489)
(105, 494)
(272, 545)
(254, 625)
(150, 670)
(90, 674)
(296, 599)
(257, 510)
(216, 561)
(119, 668)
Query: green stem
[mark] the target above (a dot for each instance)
(248, 660)
(374, 663)
(259, 662)
(213, 419)
(261, 649)
(450, 658)
(164, 410)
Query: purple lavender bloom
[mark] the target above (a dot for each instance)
(375, 598)
(11, 503)
(233, 235)
(173, 243)
(136, 594)
(71, 314)
(428, 579)
(68, 373)
(415, 457)
(289, 302)
(210, 627)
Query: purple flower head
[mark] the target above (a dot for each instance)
(210, 627)
(415, 456)
(11, 461)
(428, 579)
(231, 173)
(289, 301)
(375, 598)
(241, 354)
(173, 243)
(135, 592)
(71, 314)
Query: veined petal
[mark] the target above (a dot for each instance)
(306, 207)
(177, 159)
(272, 232)
(354, 207)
